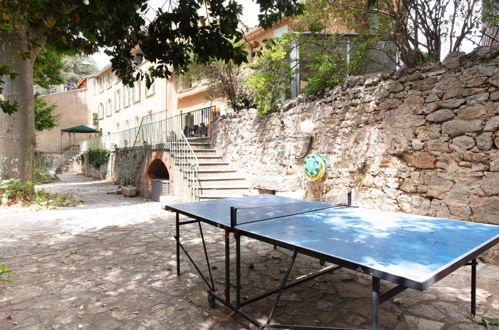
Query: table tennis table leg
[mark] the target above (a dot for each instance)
(473, 287)
(375, 302)
(227, 267)
(177, 229)
(238, 270)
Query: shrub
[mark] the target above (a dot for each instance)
(270, 81)
(15, 189)
(97, 157)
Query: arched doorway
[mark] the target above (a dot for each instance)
(159, 177)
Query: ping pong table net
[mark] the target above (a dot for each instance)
(246, 215)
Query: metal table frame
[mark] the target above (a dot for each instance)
(377, 296)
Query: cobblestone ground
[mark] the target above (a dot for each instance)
(110, 264)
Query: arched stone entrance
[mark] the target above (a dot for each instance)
(158, 179)
(157, 170)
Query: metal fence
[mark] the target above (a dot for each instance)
(157, 131)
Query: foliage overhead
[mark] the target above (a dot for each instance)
(45, 119)
(75, 68)
(47, 70)
(227, 80)
(199, 31)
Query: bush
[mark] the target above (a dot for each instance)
(97, 157)
(15, 189)
(270, 81)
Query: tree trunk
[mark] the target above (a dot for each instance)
(17, 131)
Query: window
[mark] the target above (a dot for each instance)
(127, 124)
(136, 92)
(137, 121)
(108, 107)
(152, 89)
(101, 110)
(99, 83)
(188, 81)
(117, 127)
(108, 79)
(117, 100)
(126, 96)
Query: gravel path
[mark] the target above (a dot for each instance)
(110, 264)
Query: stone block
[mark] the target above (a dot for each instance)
(451, 104)
(394, 86)
(494, 165)
(472, 91)
(476, 81)
(438, 208)
(494, 96)
(484, 141)
(414, 204)
(477, 98)
(417, 145)
(485, 209)
(494, 80)
(453, 93)
(471, 112)
(428, 132)
(464, 142)
(486, 70)
(420, 159)
(410, 77)
(437, 186)
(457, 127)
(490, 183)
(414, 100)
(454, 60)
(440, 116)
(492, 124)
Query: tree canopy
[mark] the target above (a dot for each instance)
(188, 31)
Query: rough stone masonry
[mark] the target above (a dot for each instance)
(422, 141)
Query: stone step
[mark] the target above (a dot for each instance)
(224, 182)
(204, 197)
(199, 140)
(225, 174)
(218, 188)
(197, 145)
(224, 191)
(213, 166)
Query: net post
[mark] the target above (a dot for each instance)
(349, 196)
(233, 217)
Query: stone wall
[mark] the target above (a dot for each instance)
(423, 141)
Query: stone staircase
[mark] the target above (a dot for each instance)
(216, 177)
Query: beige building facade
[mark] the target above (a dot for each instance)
(74, 110)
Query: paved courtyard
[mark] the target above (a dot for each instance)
(110, 264)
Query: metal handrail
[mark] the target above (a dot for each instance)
(158, 131)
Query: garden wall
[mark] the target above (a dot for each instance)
(422, 141)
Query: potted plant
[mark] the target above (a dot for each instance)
(127, 189)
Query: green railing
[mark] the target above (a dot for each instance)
(156, 131)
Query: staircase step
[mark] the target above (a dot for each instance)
(223, 190)
(219, 196)
(227, 177)
(199, 140)
(200, 146)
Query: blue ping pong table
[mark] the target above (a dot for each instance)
(408, 250)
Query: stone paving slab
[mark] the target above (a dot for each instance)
(110, 264)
